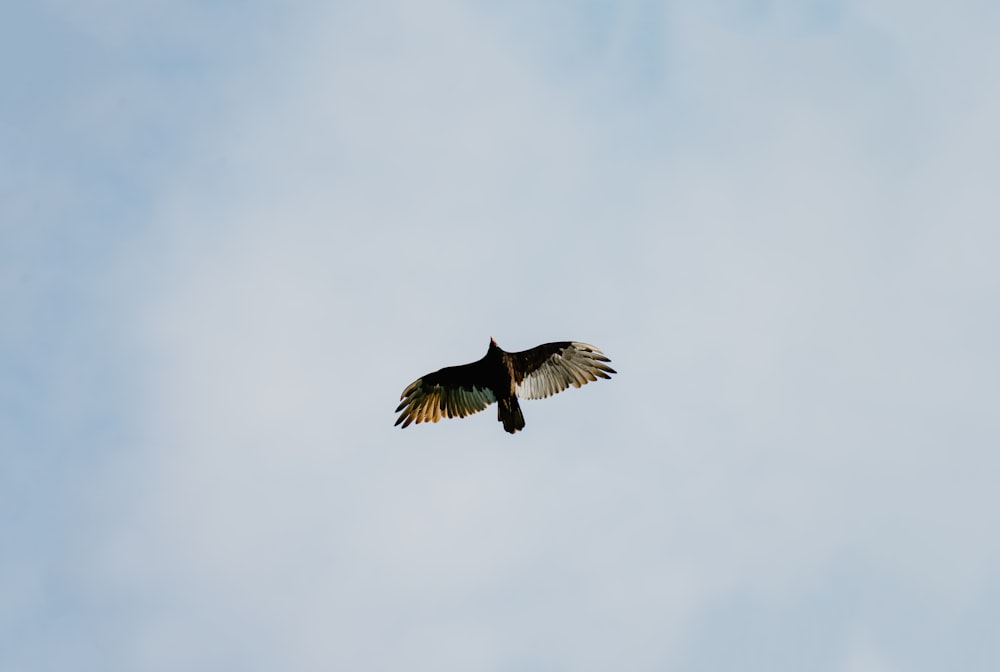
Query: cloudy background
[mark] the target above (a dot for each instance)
(231, 233)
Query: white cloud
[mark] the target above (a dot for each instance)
(778, 239)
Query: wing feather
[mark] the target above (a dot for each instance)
(551, 368)
(452, 392)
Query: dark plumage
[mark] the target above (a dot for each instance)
(503, 377)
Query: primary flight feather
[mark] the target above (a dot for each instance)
(502, 377)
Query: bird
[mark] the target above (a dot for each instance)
(502, 377)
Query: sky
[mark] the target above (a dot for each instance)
(232, 233)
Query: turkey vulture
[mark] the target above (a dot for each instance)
(458, 391)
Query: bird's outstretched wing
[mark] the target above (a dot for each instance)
(452, 392)
(552, 367)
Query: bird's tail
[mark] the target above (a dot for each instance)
(509, 413)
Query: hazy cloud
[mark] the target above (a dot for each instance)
(775, 218)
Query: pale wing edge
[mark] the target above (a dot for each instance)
(576, 364)
(430, 403)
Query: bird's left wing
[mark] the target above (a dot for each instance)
(452, 392)
(551, 368)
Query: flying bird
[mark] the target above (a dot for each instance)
(503, 377)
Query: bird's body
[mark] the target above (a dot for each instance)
(502, 377)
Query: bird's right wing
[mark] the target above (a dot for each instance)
(452, 392)
(551, 368)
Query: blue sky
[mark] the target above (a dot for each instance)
(232, 233)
